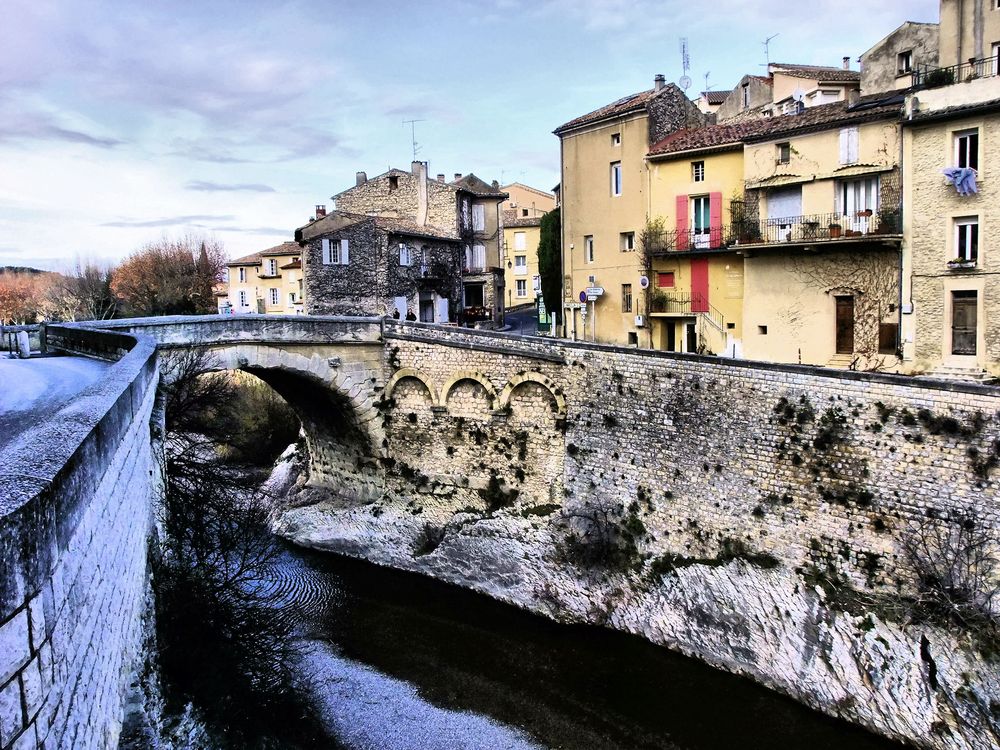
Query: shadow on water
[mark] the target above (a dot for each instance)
(566, 686)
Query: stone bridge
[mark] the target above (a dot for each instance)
(413, 424)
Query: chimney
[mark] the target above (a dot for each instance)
(360, 178)
(458, 176)
(847, 63)
(852, 97)
(320, 211)
(496, 185)
(440, 177)
(659, 81)
(419, 170)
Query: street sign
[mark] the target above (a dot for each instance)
(595, 291)
(583, 296)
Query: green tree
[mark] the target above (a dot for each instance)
(550, 262)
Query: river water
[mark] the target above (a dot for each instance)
(399, 661)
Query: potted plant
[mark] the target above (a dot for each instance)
(960, 262)
(834, 231)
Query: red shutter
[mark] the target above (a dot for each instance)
(715, 219)
(683, 234)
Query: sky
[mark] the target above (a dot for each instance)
(124, 122)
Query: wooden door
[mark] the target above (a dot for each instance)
(964, 322)
(692, 337)
(845, 325)
(671, 335)
(699, 285)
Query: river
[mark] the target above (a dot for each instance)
(399, 661)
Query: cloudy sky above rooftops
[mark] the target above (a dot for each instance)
(121, 122)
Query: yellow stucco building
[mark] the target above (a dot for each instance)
(604, 198)
(266, 282)
(522, 218)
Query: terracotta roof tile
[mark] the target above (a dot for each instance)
(472, 184)
(818, 72)
(709, 137)
(625, 105)
(716, 97)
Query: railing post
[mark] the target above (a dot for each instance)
(42, 344)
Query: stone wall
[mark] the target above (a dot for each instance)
(763, 493)
(75, 505)
(672, 111)
(359, 287)
(402, 201)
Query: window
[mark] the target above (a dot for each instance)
(465, 213)
(967, 148)
(520, 264)
(665, 280)
(475, 257)
(479, 217)
(626, 242)
(335, 252)
(291, 298)
(996, 57)
(524, 212)
(904, 62)
(393, 183)
(616, 139)
(745, 99)
(243, 297)
(762, 330)
(849, 138)
(474, 295)
(536, 284)
(967, 239)
(626, 298)
(858, 196)
(521, 285)
(243, 275)
(273, 294)
(588, 248)
(272, 267)
(697, 171)
(616, 178)
(404, 254)
(701, 220)
(520, 241)
(784, 153)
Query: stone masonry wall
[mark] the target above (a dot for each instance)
(73, 580)
(764, 493)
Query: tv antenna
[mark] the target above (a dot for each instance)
(767, 48)
(685, 80)
(707, 74)
(413, 135)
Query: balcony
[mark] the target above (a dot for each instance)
(670, 304)
(929, 78)
(802, 230)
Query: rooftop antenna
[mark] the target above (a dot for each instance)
(685, 80)
(707, 74)
(767, 48)
(413, 135)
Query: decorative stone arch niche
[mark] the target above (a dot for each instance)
(469, 393)
(409, 386)
(539, 386)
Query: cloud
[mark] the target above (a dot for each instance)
(193, 220)
(272, 231)
(17, 124)
(217, 187)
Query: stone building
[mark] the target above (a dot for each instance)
(522, 219)
(890, 63)
(405, 243)
(267, 282)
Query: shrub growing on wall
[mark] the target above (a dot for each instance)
(550, 262)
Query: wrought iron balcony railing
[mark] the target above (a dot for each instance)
(928, 77)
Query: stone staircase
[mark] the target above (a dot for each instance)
(841, 361)
(965, 374)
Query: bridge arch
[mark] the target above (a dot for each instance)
(538, 378)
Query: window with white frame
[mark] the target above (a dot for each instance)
(273, 295)
(479, 217)
(858, 196)
(626, 242)
(243, 275)
(616, 139)
(849, 144)
(520, 264)
(697, 171)
(520, 241)
(745, 94)
(272, 267)
(784, 153)
(479, 257)
(904, 62)
(967, 239)
(243, 297)
(536, 284)
(404, 254)
(291, 298)
(588, 248)
(995, 58)
(616, 178)
(336, 252)
(521, 285)
(967, 148)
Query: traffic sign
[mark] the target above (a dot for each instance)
(595, 291)
(583, 296)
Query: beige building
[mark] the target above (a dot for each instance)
(268, 282)
(604, 199)
(522, 220)
(711, 101)
(951, 268)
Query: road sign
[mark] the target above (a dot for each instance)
(583, 296)
(595, 291)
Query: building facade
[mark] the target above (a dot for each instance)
(522, 219)
(268, 282)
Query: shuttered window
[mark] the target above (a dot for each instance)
(849, 142)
